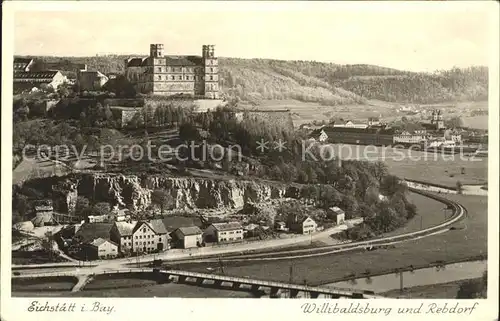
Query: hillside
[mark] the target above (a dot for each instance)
(254, 80)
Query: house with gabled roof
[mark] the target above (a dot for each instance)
(101, 248)
(27, 80)
(143, 236)
(337, 214)
(187, 237)
(150, 236)
(301, 225)
(223, 232)
(121, 234)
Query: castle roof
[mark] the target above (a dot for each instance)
(135, 62)
(39, 75)
(169, 61)
(184, 60)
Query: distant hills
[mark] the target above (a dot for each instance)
(254, 80)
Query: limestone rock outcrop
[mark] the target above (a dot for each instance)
(134, 192)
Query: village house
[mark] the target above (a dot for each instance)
(101, 248)
(91, 80)
(187, 237)
(351, 124)
(322, 136)
(410, 137)
(223, 232)
(280, 226)
(373, 121)
(150, 236)
(99, 218)
(453, 135)
(121, 234)
(337, 214)
(305, 225)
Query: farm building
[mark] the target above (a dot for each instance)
(187, 237)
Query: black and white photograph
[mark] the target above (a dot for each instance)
(264, 150)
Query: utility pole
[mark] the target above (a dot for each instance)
(291, 274)
(221, 266)
(421, 222)
(401, 281)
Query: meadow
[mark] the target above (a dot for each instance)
(423, 166)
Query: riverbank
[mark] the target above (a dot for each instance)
(447, 290)
(418, 277)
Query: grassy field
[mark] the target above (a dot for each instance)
(45, 284)
(145, 288)
(432, 291)
(431, 167)
(479, 122)
(454, 245)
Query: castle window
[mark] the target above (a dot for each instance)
(173, 77)
(211, 77)
(159, 77)
(211, 69)
(180, 77)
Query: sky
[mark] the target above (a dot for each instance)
(402, 37)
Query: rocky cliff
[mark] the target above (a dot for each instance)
(134, 192)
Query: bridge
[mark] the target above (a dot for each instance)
(85, 276)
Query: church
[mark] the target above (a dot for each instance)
(166, 75)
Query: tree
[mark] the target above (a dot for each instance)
(473, 289)
(454, 122)
(63, 90)
(101, 208)
(162, 198)
(82, 207)
(391, 184)
(189, 132)
(47, 243)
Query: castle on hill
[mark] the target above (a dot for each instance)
(160, 74)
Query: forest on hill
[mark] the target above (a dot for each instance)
(254, 80)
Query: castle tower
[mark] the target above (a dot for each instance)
(155, 76)
(211, 74)
(156, 50)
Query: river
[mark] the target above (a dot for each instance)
(425, 276)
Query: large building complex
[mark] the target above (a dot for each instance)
(161, 74)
